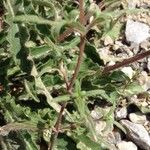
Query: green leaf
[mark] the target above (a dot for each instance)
(119, 76)
(15, 126)
(38, 52)
(32, 19)
(28, 140)
(46, 4)
(113, 31)
(91, 53)
(64, 46)
(14, 41)
(56, 28)
(70, 45)
(101, 93)
(144, 109)
(87, 144)
(80, 100)
(42, 88)
(13, 70)
(30, 90)
(133, 88)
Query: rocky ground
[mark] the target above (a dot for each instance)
(133, 113)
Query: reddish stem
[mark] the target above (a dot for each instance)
(69, 88)
(126, 62)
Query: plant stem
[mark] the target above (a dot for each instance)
(82, 14)
(81, 47)
(69, 88)
(126, 62)
(57, 126)
(65, 34)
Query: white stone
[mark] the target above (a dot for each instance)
(132, 3)
(95, 114)
(136, 32)
(137, 118)
(148, 64)
(108, 41)
(123, 145)
(144, 80)
(111, 63)
(121, 113)
(104, 54)
(100, 126)
(115, 47)
(128, 71)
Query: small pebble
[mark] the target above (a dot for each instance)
(121, 113)
(108, 41)
(144, 80)
(144, 45)
(100, 126)
(148, 64)
(137, 118)
(95, 114)
(132, 4)
(117, 135)
(128, 71)
(123, 145)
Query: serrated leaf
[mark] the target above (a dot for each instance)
(42, 88)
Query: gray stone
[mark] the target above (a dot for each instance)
(117, 135)
(137, 133)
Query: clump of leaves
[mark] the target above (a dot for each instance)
(51, 71)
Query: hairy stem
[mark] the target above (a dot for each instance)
(126, 62)
(65, 34)
(81, 47)
(69, 88)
